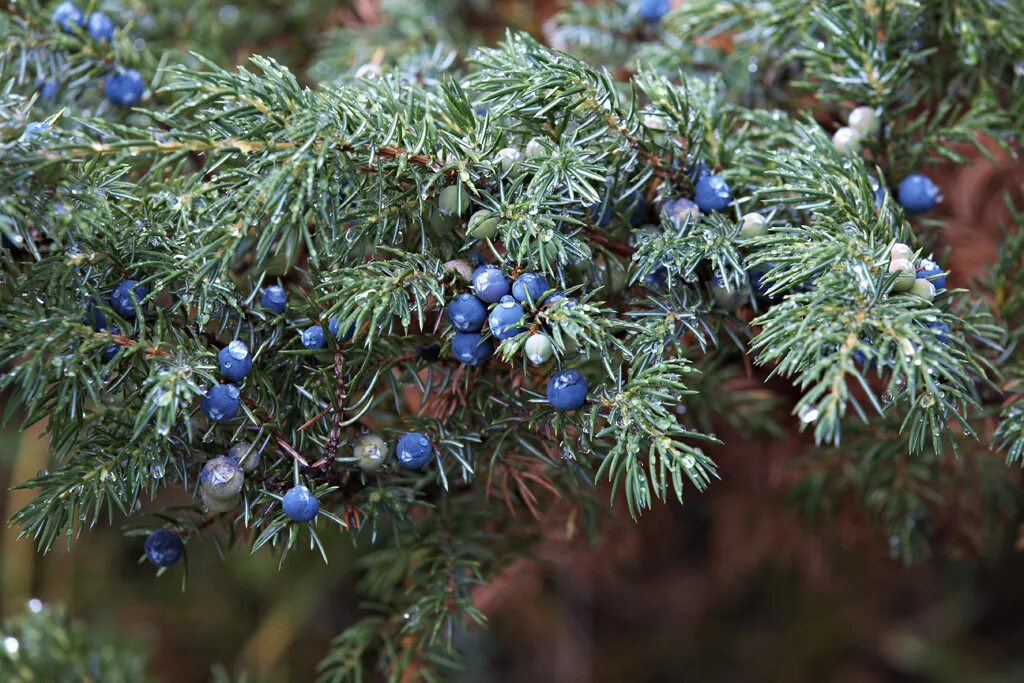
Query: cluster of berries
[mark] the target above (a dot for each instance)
(124, 299)
(122, 87)
(922, 280)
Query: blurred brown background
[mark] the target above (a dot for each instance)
(731, 586)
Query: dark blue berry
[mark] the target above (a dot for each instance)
(113, 349)
(602, 218)
(930, 270)
(414, 450)
(124, 88)
(100, 27)
(466, 313)
(505, 318)
(567, 390)
(234, 361)
(94, 316)
(299, 505)
(698, 171)
(126, 294)
(67, 16)
(529, 287)
(652, 10)
(49, 89)
(469, 348)
(861, 359)
(220, 403)
(490, 284)
(34, 130)
(334, 327)
(941, 330)
(313, 337)
(164, 547)
(712, 193)
(274, 299)
(917, 193)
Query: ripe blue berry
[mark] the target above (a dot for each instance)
(49, 89)
(941, 330)
(698, 171)
(234, 361)
(67, 16)
(505, 318)
(601, 218)
(124, 88)
(313, 337)
(917, 193)
(334, 327)
(930, 270)
(274, 299)
(94, 316)
(489, 284)
(113, 349)
(164, 547)
(712, 193)
(681, 210)
(124, 297)
(100, 27)
(247, 457)
(220, 403)
(299, 505)
(466, 313)
(469, 348)
(414, 450)
(567, 390)
(221, 478)
(529, 287)
(652, 10)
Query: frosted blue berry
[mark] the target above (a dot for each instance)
(221, 478)
(67, 16)
(940, 329)
(505, 318)
(930, 270)
(220, 403)
(234, 361)
(49, 89)
(490, 284)
(698, 171)
(247, 457)
(124, 297)
(125, 88)
(274, 299)
(917, 193)
(299, 505)
(164, 547)
(554, 298)
(469, 348)
(334, 327)
(680, 211)
(712, 193)
(466, 313)
(100, 27)
(313, 337)
(567, 390)
(113, 349)
(414, 450)
(530, 286)
(94, 316)
(652, 10)
(34, 130)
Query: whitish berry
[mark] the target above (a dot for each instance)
(246, 455)
(483, 224)
(220, 403)
(413, 450)
(370, 451)
(917, 193)
(505, 318)
(299, 505)
(712, 193)
(864, 120)
(313, 337)
(534, 149)
(490, 284)
(466, 313)
(901, 251)
(124, 88)
(221, 478)
(234, 361)
(923, 288)
(508, 158)
(567, 390)
(163, 547)
(125, 296)
(469, 348)
(530, 287)
(906, 274)
(846, 140)
(537, 348)
(274, 299)
(681, 210)
(754, 225)
(453, 200)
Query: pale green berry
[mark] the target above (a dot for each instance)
(453, 199)
(923, 288)
(508, 158)
(901, 251)
(461, 267)
(754, 225)
(245, 455)
(370, 451)
(537, 348)
(483, 224)
(907, 276)
(216, 505)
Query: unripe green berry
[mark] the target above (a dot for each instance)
(537, 348)
(901, 251)
(245, 455)
(215, 505)
(370, 450)
(483, 224)
(534, 149)
(453, 199)
(923, 288)
(461, 267)
(846, 140)
(754, 225)
(508, 158)
(907, 275)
